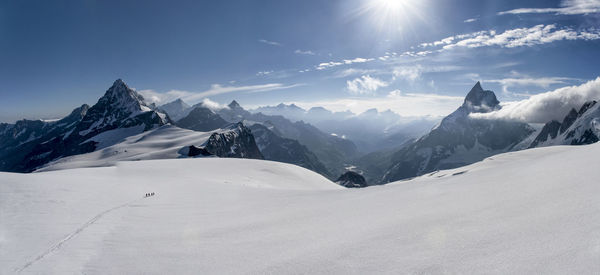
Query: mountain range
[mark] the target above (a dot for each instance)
(123, 126)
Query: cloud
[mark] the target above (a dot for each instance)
(212, 104)
(470, 20)
(544, 107)
(330, 64)
(215, 89)
(365, 85)
(353, 71)
(536, 35)
(408, 73)
(264, 73)
(304, 52)
(543, 82)
(567, 7)
(272, 43)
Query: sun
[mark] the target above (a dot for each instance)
(392, 15)
(390, 5)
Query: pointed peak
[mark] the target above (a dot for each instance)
(119, 94)
(234, 104)
(478, 97)
(119, 83)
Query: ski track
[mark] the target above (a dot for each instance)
(80, 229)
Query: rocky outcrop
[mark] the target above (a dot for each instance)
(351, 179)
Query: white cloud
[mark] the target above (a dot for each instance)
(544, 107)
(330, 64)
(408, 73)
(536, 35)
(543, 82)
(215, 89)
(568, 7)
(470, 20)
(272, 43)
(308, 52)
(212, 104)
(365, 85)
(353, 71)
(264, 73)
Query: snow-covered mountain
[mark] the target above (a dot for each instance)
(176, 109)
(577, 128)
(201, 119)
(459, 139)
(120, 108)
(532, 211)
(165, 142)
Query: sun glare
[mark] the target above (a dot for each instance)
(392, 16)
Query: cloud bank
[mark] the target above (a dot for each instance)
(544, 107)
(519, 37)
(567, 7)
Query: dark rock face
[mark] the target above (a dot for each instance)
(120, 107)
(194, 151)
(568, 121)
(549, 131)
(458, 140)
(577, 128)
(351, 180)
(588, 137)
(276, 148)
(202, 119)
(586, 106)
(235, 141)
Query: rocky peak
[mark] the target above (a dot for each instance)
(120, 95)
(479, 100)
(586, 107)
(234, 105)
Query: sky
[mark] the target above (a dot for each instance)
(415, 57)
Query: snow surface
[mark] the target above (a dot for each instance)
(161, 143)
(532, 211)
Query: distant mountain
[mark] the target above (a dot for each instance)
(121, 111)
(371, 130)
(176, 109)
(290, 111)
(459, 139)
(577, 128)
(201, 119)
(276, 148)
(334, 152)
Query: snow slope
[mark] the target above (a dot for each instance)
(533, 211)
(161, 143)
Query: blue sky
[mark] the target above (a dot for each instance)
(414, 57)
